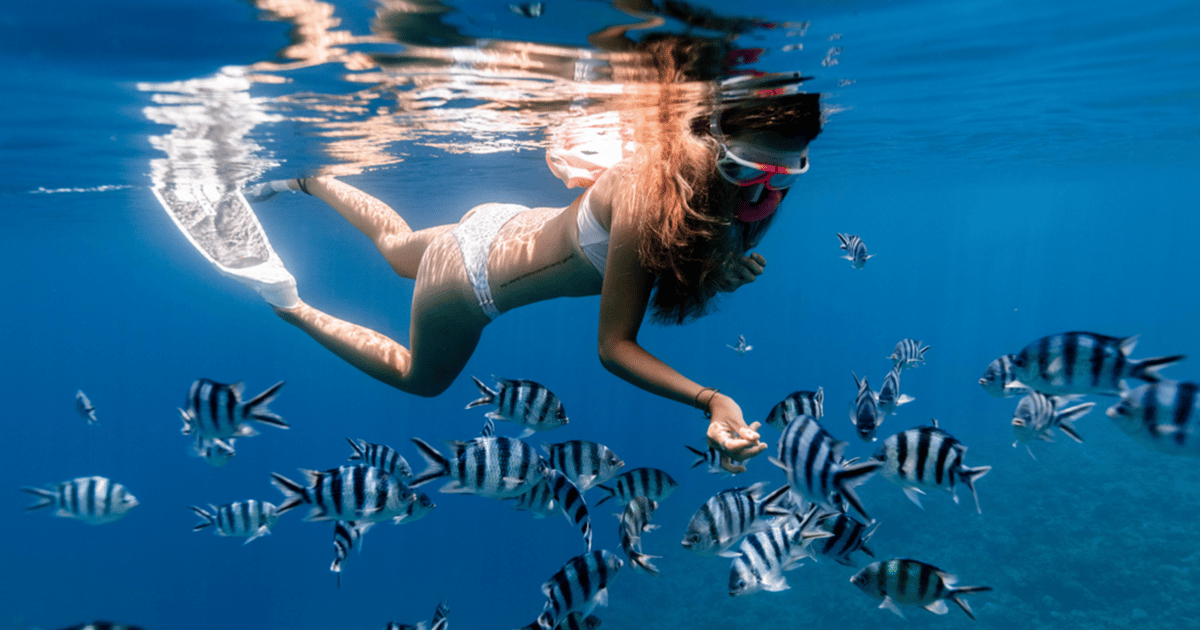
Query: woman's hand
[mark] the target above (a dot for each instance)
(743, 271)
(729, 434)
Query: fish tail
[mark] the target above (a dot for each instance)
(611, 493)
(771, 503)
(46, 498)
(642, 561)
(489, 395)
(294, 493)
(187, 421)
(853, 475)
(438, 464)
(208, 521)
(969, 476)
(571, 502)
(1147, 369)
(358, 450)
(701, 456)
(957, 591)
(256, 408)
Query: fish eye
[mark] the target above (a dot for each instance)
(692, 538)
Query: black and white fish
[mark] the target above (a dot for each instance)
(999, 378)
(538, 500)
(84, 407)
(729, 516)
(640, 482)
(856, 250)
(215, 410)
(765, 556)
(523, 402)
(741, 348)
(216, 452)
(347, 535)
(797, 403)
(93, 500)
(864, 411)
(570, 502)
(578, 587)
(528, 9)
(634, 521)
(1162, 416)
(815, 468)
(889, 395)
(908, 353)
(902, 581)
(1037, 415)
(381, 456)
(927, 457)
(1083, 363)
(711, 458)
(584, 463)
(846, 536)
(496, 467)
(244, 519)
(349, 493)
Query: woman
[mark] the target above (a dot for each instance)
(665, 229)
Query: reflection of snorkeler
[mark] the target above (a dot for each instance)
(666, 229)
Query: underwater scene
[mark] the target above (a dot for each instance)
(972, 347)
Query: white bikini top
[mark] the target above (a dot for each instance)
(593, 238)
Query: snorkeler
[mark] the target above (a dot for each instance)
(665, 229)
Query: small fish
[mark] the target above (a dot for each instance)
(244, 519)
(570, 502)
(741, 348)
(913, 583)
(103, 625)
(93, 500)
(215, 410)
(908, 353)
(711, 457)
(1037, 415)
(815, 468)
(522, 402)
(864, 412)
(635, 520)
(999, 377)
(1083, 363)
(856, 250)
(846, 536)
(216, 452)
(580, 586)
(381, 456)
(496, 467)
(1161, 416)
(889, 395)
(927, 457)
(84, 406)
(584, 463)
(528, 9)
(349, 493)
(729, 516)
(347, 535)
(766, 555)
(640, 482)
(797, 403)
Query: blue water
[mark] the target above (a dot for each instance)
(1019, 168)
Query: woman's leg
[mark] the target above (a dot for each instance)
(400, 245)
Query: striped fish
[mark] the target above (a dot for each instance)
(347, 535)
(1083, 363)
(349, 493)
(711, 457)
(913, 583)
(84, 407)
(999, 377)
(381, 456)
(927, 457)
(846, 536)
(1161, 416)
(1037, 415)
(584, 463)
(579, 586)
(651, 483)
(93, 500)
(766, 555)
(103, 625)
(523, 402)
(496, 467)
(215, 410)
(243, 519)
(815, 468)
(216, 452)
(864, 412)
(729, 516)
(570, 502)
(538, 500)
(908, 353)
(741, 348)
(889, 395)
(441, 616)
(856, 250)
(634, 521)
(796, 404)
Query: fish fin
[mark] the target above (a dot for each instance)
(770, 503)
(256, 408)
(729, 553)
(848, 257)
(187, 421)
(611, 493)
(489, 427)
(585, 481)
(778, 463)
(358, 450)
(889, 604)
(904, 399)
(914, 495)
(601, 598)
(204, 514)
(245, 430)
(955, 597)
(1069, 429)
(438, 465)
(261, 531)
(701, 456)
(489, 395)
(775, 582)
(64, 513)
(1128, 344)
(642, 561)
(455, 487)
(1147, 369)
(1030, 452)
(938, 607)
(969, 476)
(294, 494)
(526, 433)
